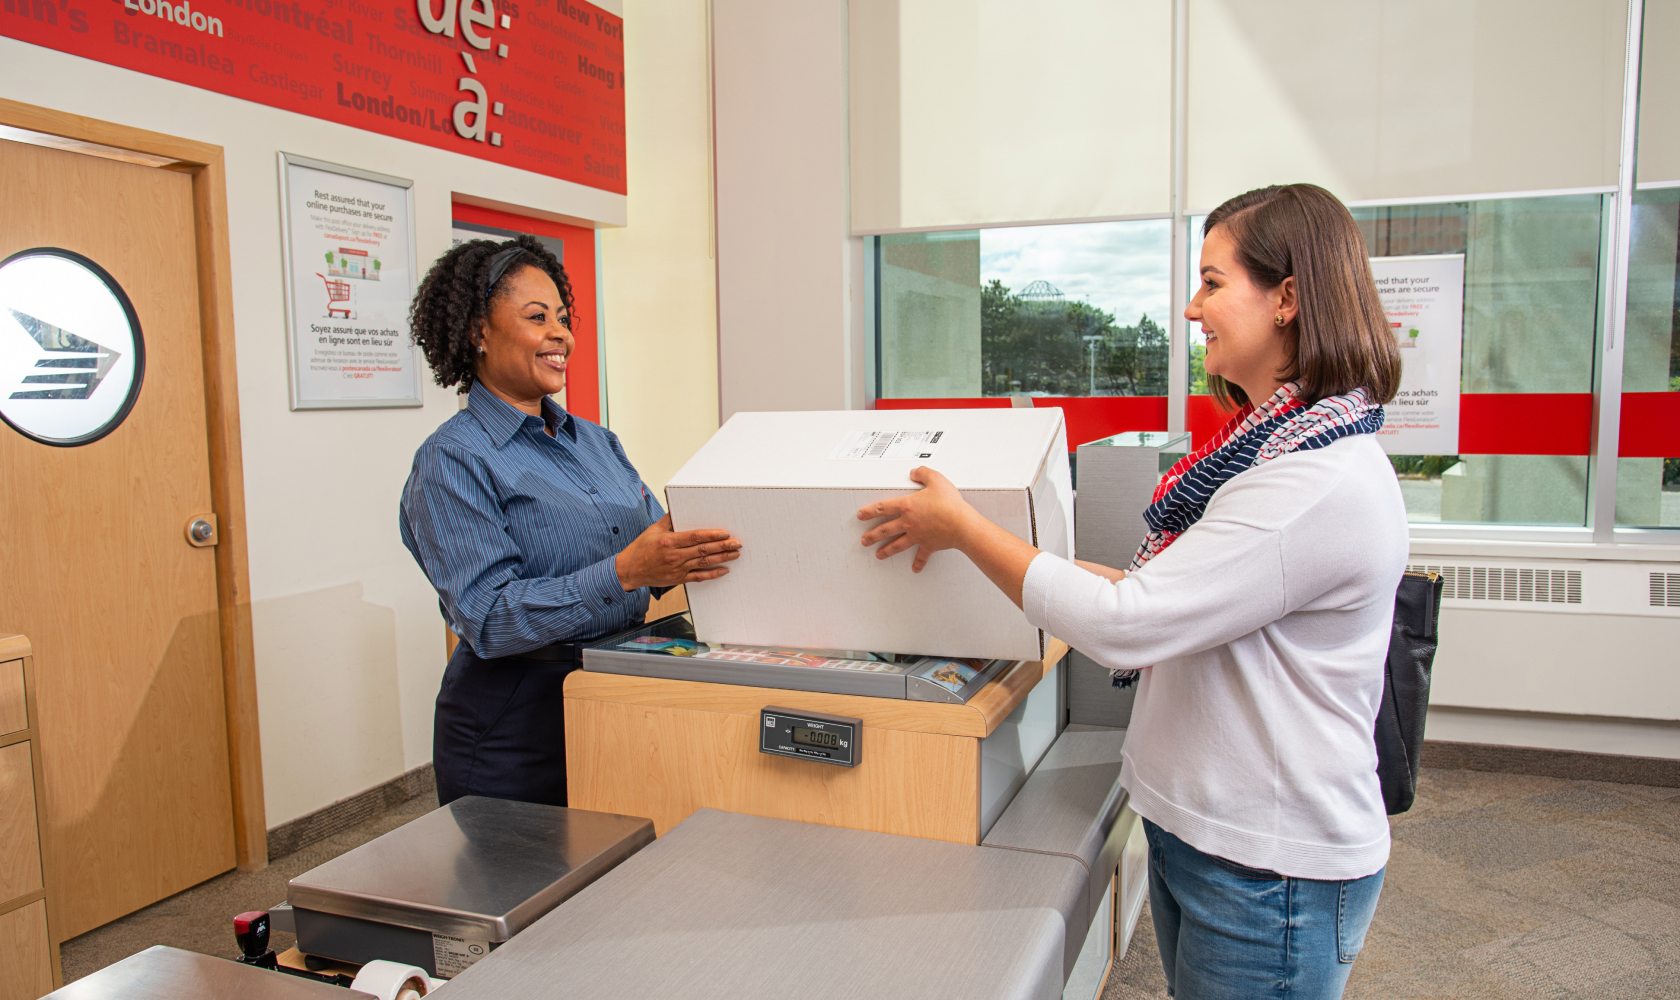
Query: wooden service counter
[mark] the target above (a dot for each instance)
(664, 748)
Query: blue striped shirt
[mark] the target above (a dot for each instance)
(517, 530)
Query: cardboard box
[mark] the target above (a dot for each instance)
(789, 486)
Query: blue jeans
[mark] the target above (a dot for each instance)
(1229, 931)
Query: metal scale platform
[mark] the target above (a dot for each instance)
(668, 648)
(443, 890)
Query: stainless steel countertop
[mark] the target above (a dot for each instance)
(1070, 806)
(478, 867)
(741, 907)
(161, 973)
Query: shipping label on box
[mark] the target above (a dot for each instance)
(789, 486)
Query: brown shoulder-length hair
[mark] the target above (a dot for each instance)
(1343, 340)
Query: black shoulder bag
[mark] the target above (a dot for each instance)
(1405, 697)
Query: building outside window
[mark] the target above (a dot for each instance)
(1044, 311)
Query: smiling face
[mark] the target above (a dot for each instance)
(1245, 345)
(525, 340)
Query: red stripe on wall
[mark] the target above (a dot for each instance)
(1650, 425)
(1490, 423)
(583, 379)
(1091, 418)
(1525, 423)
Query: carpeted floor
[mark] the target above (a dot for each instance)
(1500, 886)
(1509, 886)
(201, 918)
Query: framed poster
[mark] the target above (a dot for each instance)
(347, 246)
(1423, 298)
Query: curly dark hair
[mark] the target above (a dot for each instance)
(455, 297)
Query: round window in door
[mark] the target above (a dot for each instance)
(71, 357)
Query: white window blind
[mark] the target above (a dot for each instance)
(1659, 96)
(968, 113)
(1382, 101)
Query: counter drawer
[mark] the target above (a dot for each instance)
(13, 716)
(24, 953)
(20, 846)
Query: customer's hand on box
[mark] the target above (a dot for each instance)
(933, 518)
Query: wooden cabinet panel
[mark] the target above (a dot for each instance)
(664, 762)
(20, 846)
(25, 954)
(13, 717)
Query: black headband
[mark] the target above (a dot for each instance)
(499, 265)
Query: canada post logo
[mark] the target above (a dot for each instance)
(71, 357)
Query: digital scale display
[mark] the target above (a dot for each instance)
(827, 739)
(806, 736)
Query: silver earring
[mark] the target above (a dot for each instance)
(481, 346)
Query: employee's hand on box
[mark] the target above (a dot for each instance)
(933, 518)
(661, 557)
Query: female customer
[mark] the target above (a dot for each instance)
(1256, 611)
(530, 522)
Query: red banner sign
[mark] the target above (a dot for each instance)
(534, 84)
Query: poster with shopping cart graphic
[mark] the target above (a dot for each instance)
(350, 274)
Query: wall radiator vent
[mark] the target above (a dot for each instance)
(1665, 590)
(1506, 584)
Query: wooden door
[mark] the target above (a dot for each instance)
(96, 568)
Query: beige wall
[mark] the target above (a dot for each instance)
(790, 277)
(658, 274)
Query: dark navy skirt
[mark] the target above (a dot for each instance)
(500, 728)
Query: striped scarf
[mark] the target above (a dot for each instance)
(1253, 436)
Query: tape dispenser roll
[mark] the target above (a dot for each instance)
(392, 981)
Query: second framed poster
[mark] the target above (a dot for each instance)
(348, 251)
(1423, 298)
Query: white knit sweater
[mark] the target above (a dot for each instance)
(1263, 630)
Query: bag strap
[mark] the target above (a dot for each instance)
(1429, 611)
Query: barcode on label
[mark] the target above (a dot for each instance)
(888, 445)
